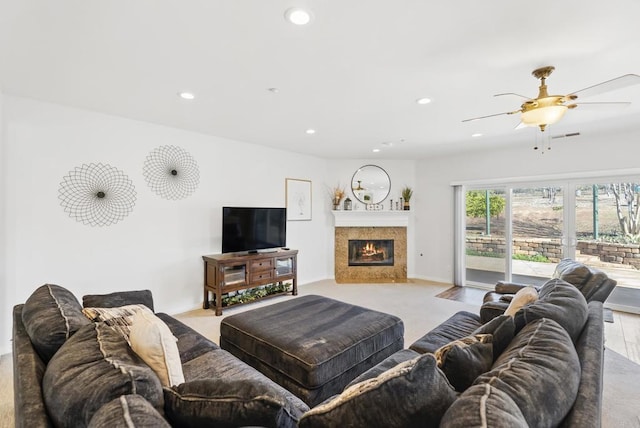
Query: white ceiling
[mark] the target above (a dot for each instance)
(353, 74)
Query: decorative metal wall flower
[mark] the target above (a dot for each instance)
(171, 172)
(97, 194)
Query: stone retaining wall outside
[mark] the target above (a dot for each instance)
(626, 254)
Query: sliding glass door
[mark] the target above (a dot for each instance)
(537, 232)
(485, 231)
(608, 235)
(520, 232)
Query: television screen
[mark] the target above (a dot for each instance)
(252, 229)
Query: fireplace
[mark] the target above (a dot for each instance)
(370, 252)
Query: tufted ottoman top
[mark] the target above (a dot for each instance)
(312, 341)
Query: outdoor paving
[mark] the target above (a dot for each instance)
(625, 275)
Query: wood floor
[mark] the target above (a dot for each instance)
(622, 335)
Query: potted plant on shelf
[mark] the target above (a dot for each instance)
(407, 193)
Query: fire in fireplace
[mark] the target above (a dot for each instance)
(370, 252)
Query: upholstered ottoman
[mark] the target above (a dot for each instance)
(312, 345)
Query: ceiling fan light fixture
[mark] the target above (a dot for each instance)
(547, 111)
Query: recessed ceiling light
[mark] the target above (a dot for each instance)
(310, 131)
(477, 134)
(274, 90)
(376, 150)
(186, 95)
(297, 16)
(423, 101)
(387, 143)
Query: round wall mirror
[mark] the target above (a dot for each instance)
(371, 184)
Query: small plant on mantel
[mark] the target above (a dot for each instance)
(336, 193)
(407, 193)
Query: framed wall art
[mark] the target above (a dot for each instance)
(298, 197)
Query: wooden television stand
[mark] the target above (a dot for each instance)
(224, 273)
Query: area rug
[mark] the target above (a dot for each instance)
(621, 398)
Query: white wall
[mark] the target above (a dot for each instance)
(160, 244)
(585, 154)
(6, 295)
(401, 172)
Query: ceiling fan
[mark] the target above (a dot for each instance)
(548, 109)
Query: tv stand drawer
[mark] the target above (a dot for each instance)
(261, 265)
(261, 276)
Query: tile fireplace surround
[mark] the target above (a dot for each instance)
(363, 225)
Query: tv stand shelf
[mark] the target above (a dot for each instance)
(224, 273)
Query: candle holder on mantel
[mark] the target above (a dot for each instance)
(347, 204)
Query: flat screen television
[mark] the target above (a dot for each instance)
(253, 229)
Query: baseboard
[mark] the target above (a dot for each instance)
(431, 279)
(623, 308)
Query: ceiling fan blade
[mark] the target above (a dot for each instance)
(609, 85)
(601, 105)
(512, 93)
(491, 115)
(620, 103)
(521, 125)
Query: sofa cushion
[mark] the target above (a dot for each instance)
(463, 360)
(92, 368)
(128, 411)
(559, 301)
(51, 315)
(484, 406)
(573, 272)
(523, 297)
(229, 402)
(388, 363)
(502, 328)
(191, 344)
(119, 298)
(459, 325)
(540, 371)
(218, 364)
(152, 340)
(413, 393)
(118, 318)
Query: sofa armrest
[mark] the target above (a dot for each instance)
(505, 287)
(28, 370)
(587, 409)
(119, 298)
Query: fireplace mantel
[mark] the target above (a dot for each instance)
(365, 218)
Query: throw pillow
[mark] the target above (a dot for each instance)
(128, 411)
(463, 360)
(229, 403)
(539, 369)
(119, 318)
(484, 406)
(92, 368)
(51, 315)
(559, 301)
(119, 298)
(523, 297)
(413, 393)
(502, 328)
(152, 340)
